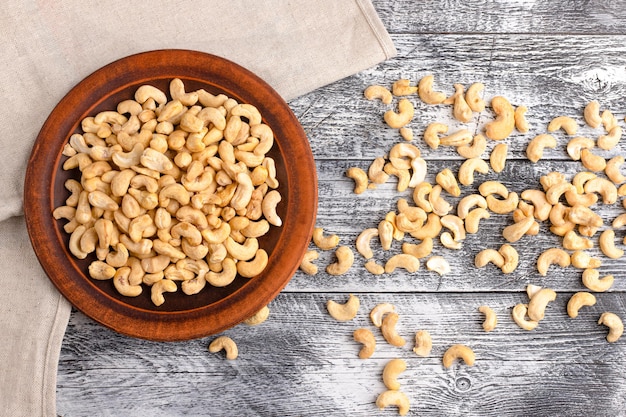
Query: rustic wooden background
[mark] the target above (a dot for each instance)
(553, 57)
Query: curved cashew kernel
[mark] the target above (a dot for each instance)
(324, 242)
(392, 370)
(582, 215)
(478, 146)
(346, 311)
(610, 140)
(458, 138)
(486, 256)
(504, 122)
(467, 169)
(502, 206)
(521, 124)
(420, 193)
(612, 169)
(607, 244)
(406, 133)
(577, 144)
(432, 132)
(393, 397)
(365, 337)
(158, 288)
(419, 167)
(440, 206)
(511, 258)
(429, 230)
(615, 325)
(591, 161)
(552, 256)
(491, 320)
(225, 276)
(609, 121)
(258, 317)
(402, 260)
(538, 303)
(438, 264)
(468, 202)
(385, 234)
(473, 99)
(379, 311)
(519, 317)
(572, 241)
(227, 344)
(402, 88)
(101, 270)
(145, 92)
(374, 268)
(566, 123)
(619, 221)
(307, 266)
(404, 177)
(363, 242)
(426, 93)
(122, 284)
(388, 329)
(473, 218)
(402, 117)
(591, 279)
(345, 259)
(592, 114)
(423, 343)
(448, 241)
(497, 158)
(254, 267)
(376, 173)
(461, 109)
(378, 92)
(534, 150)
(604, 187)
(458, 351)
(268, 206)
(118, 258)
(420, 250)
(579, 300)
(542, 207)
(455, 225)
(551, 179)
(446, 179)
(555, 191)
(400, 151)
(360, 179)
(242, 252)
(493, 187)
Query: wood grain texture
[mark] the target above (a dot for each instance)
(553, 57)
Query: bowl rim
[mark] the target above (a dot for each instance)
(45, 157)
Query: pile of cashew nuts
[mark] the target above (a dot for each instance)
(565, 205)
(172, 193)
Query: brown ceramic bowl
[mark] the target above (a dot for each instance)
(181, 317)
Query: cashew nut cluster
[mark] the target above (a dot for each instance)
(172, 194)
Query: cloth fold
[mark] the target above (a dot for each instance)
(49, 46)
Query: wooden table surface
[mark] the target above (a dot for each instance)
(551, 56)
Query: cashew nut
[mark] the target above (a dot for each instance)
(476, 149)
(577, 144)
(582, 260)
(552, 256)
(379, 311)
(534, 150)
(396, 398)
(511, 258)
(538, 303)
(419, 250)
(566, 123)
(459, 138)
(504, 122)
(225, 276)
(378, 92)
(498, 156)
(446, 179)
(392, 370)
(521, 124)
(592, 114)
(254, 267)
(615, 325)
(224, 343)
(376, 173)
(579, 300)
(491, 320)
(591, 161)
(486, 256)
(365, 337)
(402, 260)
(610, 140)
(360, 179)
(607, 244)
(346, 311)
(363, 242)
(467, 169)
(324, 242)
(388, 329)
(591, 279)
(502, 206)
(122, 284)
(258, 317)
(519, 317)
(307, 266)
(612, 169)
(385, 233)
(426, 93)
(604, 187)
(402, 117)
(473, 218)
(345, 259)
(270, 201)
(572, 241)
(458, 351)
(438, 264)
(461, 109)
(402, 88)
(493, 187)
(515, 231)
(432, 132)
(374, 268)
(473, 98)
(423, 343)
(101, 270)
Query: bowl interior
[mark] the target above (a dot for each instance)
(181, 316)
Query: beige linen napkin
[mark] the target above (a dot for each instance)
(49, 46)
